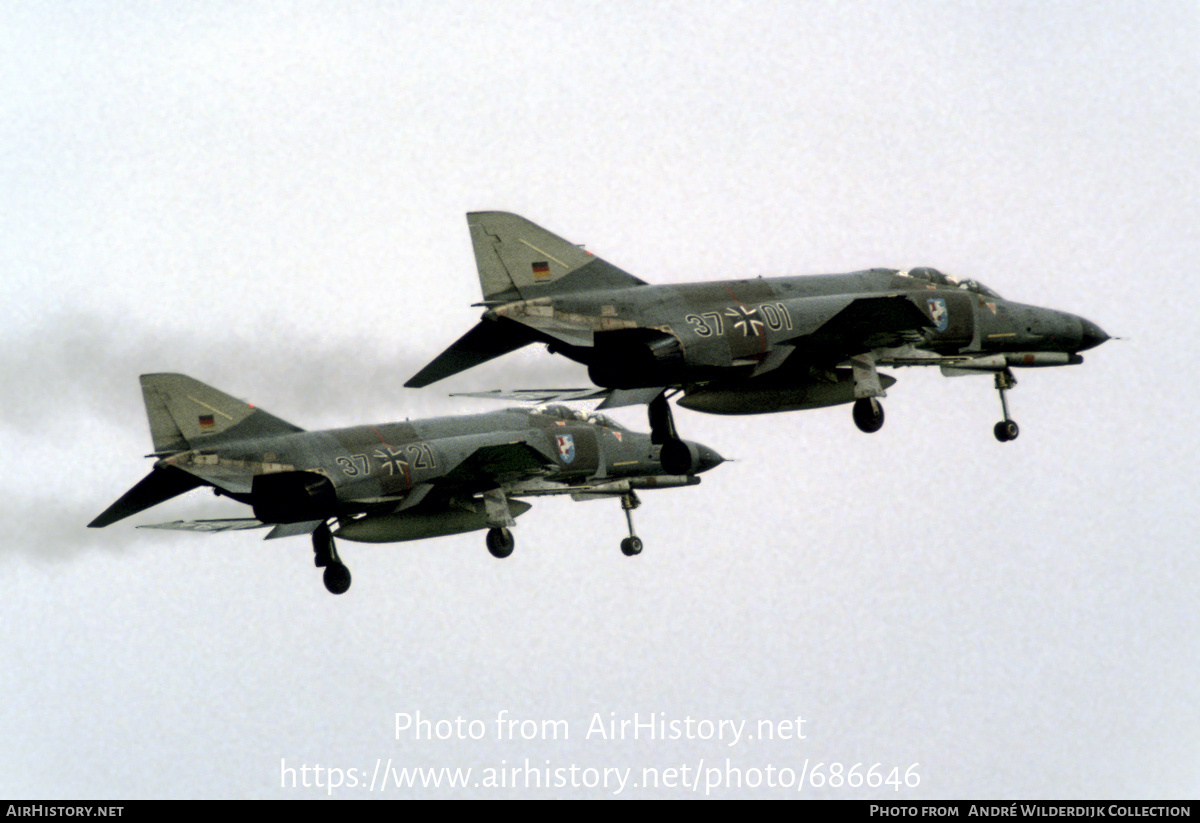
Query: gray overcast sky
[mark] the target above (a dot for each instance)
(271, 198)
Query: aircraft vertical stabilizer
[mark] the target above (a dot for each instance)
(519, 260)
(183, 410)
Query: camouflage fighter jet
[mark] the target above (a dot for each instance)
(389, 482)
(744, 346)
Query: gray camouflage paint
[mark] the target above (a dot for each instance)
(390, 476)
(744, 346)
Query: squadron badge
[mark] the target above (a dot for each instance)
(566, 447)
(937, 311)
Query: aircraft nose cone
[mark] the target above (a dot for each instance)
(708, 459)
(1091, 336)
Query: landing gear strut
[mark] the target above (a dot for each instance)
(633, 544)
(500, 542)
(868, 411)
(1006, 429)
(337, 576)
(674, 456)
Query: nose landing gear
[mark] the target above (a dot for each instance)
(1007, 428)
(631, 545)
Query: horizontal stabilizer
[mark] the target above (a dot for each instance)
(489, 339)
(157, 487)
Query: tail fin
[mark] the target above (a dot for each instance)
(519, 260)
(184, 412)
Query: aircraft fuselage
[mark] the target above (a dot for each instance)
(698, 332)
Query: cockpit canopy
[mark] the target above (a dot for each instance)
(935, 277)
(557, 411)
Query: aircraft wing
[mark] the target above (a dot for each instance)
(866, 323)
(225, 525)
(231, 524)
(538, 395)
(491, 465)
(613, 398)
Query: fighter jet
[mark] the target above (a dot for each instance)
(749, 346)
(389, 482)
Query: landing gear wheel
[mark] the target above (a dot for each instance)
(675, 457)
(868, 414)
(631, 546)
(1006, 430)
(337, 578)
(500, 542)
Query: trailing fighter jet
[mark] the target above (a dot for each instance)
(389, 482)
(743, 346)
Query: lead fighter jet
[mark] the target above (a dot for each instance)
(389, 482)
(743, 346)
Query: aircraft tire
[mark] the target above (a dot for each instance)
(868, 414)
(337, 578)
(1006, 430)
(500, 543)
(631, 546)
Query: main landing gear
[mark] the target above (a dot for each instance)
(500, 542)
(1006, 429)
(868, 414)
(868, 411)
(674, 456)
(337, 576)
(633, 544)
